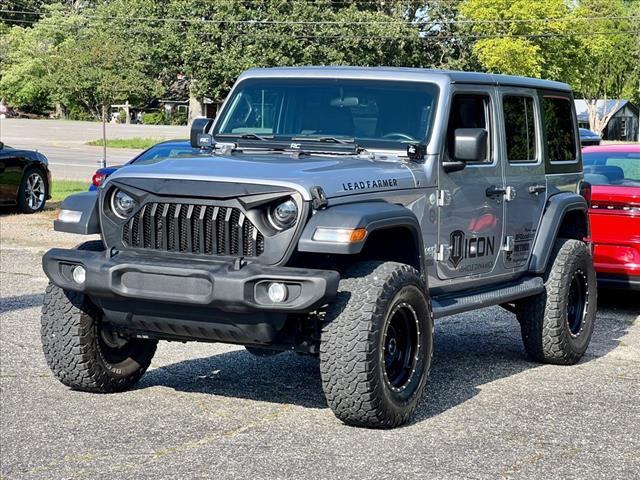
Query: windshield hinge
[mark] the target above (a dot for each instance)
(444, 198)
(443, 252)
(318, 198)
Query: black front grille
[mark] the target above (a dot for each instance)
(200, 229)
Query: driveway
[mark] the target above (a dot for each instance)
(215, 411)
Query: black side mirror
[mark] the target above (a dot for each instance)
(1, 145)
(200, 137)
(470, 144)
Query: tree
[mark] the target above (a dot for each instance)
(610, 54)
(26, 55)
(521, 37)
(234, 35)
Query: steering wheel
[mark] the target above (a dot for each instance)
(399, 136)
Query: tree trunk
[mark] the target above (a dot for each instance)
(196, 107)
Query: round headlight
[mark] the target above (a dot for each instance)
(283, 215)
(122, 204)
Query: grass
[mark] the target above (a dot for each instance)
(135, 142)
(61, 189)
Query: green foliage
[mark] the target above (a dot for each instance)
(61, 189)
(27, 66)
(611, 62)
(215, 53)
(153, 118)
(178, 118)
(521, 37)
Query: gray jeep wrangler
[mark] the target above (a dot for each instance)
(338, 212)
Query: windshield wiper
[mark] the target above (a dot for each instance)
(343, 141)
(246, 136)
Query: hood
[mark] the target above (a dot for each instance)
(337, 175)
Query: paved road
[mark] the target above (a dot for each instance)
(214, 411)
(63, 142)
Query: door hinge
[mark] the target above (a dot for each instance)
(444, 198)
(442, 252)
(509, 193)
(509, 244)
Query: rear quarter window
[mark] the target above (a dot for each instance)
(559, 129)
(560, 133)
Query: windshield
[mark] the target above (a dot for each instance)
(371, 113)
(612, 168)
(158, 152)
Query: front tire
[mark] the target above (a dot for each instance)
(557, 324)
(81, 351)
(32, 194)
(377, 345)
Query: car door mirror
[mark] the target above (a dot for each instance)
(470, 144)
(200, 137)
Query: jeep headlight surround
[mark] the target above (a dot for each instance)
(122, 204)
(283, 215)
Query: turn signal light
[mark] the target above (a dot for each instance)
(339, 235)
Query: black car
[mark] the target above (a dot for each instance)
(25, 179)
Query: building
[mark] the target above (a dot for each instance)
(623, 124)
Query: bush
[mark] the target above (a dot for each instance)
(153, 118)
(179, 118)
(122, 116)
(77, 113)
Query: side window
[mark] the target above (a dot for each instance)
(559, 129)
(469, 111)
(519, 128)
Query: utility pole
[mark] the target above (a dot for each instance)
(103, 163)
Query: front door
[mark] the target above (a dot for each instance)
(470, 219)
(521, 149)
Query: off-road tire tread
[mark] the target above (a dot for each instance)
(543, 317)
(69, 333)
(347, 369)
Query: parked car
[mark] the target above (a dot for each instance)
(25, 179)
(588, 138)
(170, 148)
(341, 211)
(614, 174)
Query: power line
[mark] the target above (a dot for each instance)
(436, 37)
(330, 22)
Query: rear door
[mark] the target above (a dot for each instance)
(525, 182)
(470, 221)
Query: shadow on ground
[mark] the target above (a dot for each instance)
(469, 353)
(20, 302)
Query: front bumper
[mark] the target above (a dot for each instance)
(225, 286)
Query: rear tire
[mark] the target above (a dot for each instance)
(557, 324)
(377, 345)
(80, 351)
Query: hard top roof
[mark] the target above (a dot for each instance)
(407, 74)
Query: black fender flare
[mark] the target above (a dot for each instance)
(87, 204)
(557, 207)
(371, 215)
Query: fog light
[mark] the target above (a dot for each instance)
(79, 274)
(277, 292)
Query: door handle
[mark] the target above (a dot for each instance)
(495, 191)
(537, 189)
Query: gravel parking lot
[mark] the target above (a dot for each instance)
(214, 411)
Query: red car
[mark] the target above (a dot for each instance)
(614, 173)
